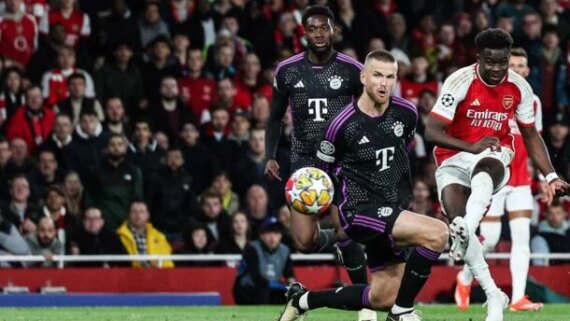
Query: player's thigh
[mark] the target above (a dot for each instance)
(384, 286)
(304, 228)
(519, 202)
(496, 164)
(411, 229)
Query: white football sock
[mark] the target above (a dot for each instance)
(520, 255)
(491, 231)
(479, 200)
(465, 275)
(479, 268)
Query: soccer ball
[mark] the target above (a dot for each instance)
(309, 191)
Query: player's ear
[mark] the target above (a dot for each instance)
(363, 77)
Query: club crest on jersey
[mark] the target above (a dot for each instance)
(384, 211)
(327, 147)
(398, 129)
(335, 82)
(508, 101)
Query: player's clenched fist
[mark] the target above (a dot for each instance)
(486, 142)
(272, 170)
(559, 187)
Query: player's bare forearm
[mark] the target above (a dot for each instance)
(435, 133)
(536, 149)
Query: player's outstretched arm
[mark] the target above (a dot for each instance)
(435, 133)
(279, 105)
(539, 155)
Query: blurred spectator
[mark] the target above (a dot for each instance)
(116, 120)
(239, 236)
(240, 45)
(73, 189)
(553, 234)
(46, 173)
(558, 144)
(200, 26)
(169, 111)
(223, 187)
(506, 23)
(76, 23)
(20, 156)
(257, 28)
(162, 140)
(239, 128)
(88, 143)
(139, 237)
(425, 36)
(119, 27)
(228, 98)
(288, 34)
(20, 210)
(55, 86)
(11, 242)
(7, 168)
(266, 262)
(423, 200)
(398, 32)
(145, 153)
(77, 99)
(250, 169)
(115, 184)
(19, 34)
(197, 242)
(216, 139)
(173, 196)
(66, 223)
(199, 161)
(60, 140)
(531, 39)
(179, 11)
(160, 64)
(12, 93)
(260, 110)
(32, 122)
(197, 91)
(213, 215)
(250, 81)
(257, 207)
(121, 78)
(93, 238)
(419, 80)
(223, 57)
(44, 242)
(181, 44)
(516, 9)
(151, 25)
(45, 58)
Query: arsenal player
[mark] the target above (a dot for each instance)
(18, 33)
(469, 124)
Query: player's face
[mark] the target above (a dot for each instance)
(493, 65)
(320, 34)
(519, 65)
(379, 79)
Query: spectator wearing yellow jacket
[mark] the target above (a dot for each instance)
(140, 237)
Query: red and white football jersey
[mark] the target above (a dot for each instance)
(519, 166)
(37, 8)
(54, 85)
(18, 37)
(475, 110)
(77, 25)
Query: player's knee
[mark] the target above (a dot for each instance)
(304, 245)
(439, 236)
(381, 302)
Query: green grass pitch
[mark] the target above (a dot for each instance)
(551, 312)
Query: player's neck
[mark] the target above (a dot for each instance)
(370, 108)
(320, 59)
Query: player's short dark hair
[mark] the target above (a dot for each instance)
(519, 52)
(380, 55)
(317, 10)
(76, 75)
(493, 38)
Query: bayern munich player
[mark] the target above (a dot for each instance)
(469, 124)
(516, 199)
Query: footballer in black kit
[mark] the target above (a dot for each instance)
(365, 148)
(315, 94)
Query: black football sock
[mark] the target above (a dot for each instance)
(353, 297)
(354, 261)
(418, 269)
(325, 241)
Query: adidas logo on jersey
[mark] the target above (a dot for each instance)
(363, 140)
(475, 103)
(299, 84)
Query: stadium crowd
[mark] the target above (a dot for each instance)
(134, 126)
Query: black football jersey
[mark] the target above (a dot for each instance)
(369, 154)
(315, 94)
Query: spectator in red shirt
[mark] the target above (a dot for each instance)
(419, 80)
(19, 34)
(32, 122)
(249, 82)
(76, 23)
(197, 91)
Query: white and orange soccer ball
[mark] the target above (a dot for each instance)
(309, 191)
